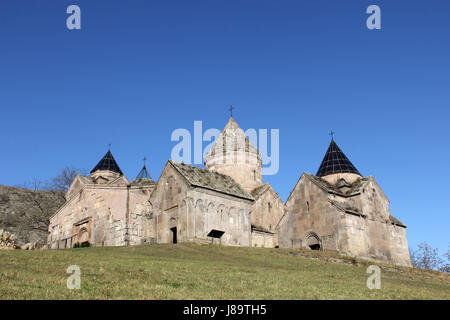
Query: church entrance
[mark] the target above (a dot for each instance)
(174, 234)
(313, 242)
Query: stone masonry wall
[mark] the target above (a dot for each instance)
(267, 211)
(369, 235)
(196, 211)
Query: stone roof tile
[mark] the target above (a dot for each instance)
(203, 178)
(259, 190)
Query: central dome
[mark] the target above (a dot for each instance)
(233, 154)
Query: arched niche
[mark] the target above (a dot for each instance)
(313, 241)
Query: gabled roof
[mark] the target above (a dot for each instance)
(355, 188)
(203, 178)
(335, 161)
(85, 179)
(259, 190)
(395, 221)
(108, 163)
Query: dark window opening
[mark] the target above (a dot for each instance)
(174, 234)
(315, 247)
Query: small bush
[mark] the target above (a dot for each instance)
(84, 244)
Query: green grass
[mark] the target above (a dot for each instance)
(193, 271)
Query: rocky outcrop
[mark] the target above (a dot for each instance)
(24, 214)
(7, 240)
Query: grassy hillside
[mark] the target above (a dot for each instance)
(193, 271)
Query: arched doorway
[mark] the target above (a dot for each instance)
(173, 229)
(313, 242)
(83, 235)
(174, 234)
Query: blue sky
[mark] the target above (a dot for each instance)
(137, 70)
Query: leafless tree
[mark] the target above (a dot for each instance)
(446, 266)
(60, 182)
(63, 180)
(34, 184)
(426, 257)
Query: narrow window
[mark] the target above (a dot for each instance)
(269, 206)
(307, 206)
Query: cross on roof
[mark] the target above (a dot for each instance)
(332, 134)
(231, 110)
(144, 160)
(109, 146)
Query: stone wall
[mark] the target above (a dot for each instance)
(375, 240)
(262, 239)
(111, 216)
(194, 212)
(217, 211)
(364, 230)
(267, 211)
(310, 213)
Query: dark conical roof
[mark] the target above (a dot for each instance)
(108, 163)
(335, 161)
(143, 178)
(143, 174)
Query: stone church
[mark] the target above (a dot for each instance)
(228, 203)
(339, 209)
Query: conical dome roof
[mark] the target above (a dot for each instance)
(335, 161)
(108, 163)
(232, 138)
(143, 174)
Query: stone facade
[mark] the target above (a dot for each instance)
(190, 212)
(353, 220)
(337, 209)
(267, 211)
(104, 209)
